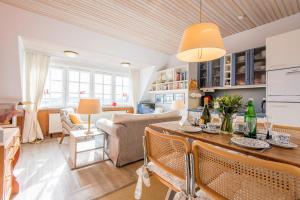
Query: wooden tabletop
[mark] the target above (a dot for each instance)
(289, 156)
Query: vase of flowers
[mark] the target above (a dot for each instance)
(227, 107)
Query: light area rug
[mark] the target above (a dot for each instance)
(157, 191)
(103, 178)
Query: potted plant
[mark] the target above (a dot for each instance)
(227, 107)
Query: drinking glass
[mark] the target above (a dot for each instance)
(268, 125)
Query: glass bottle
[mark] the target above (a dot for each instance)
(205, 117)
(250, 119)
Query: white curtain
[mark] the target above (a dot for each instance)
(134, 87)
(36, 69)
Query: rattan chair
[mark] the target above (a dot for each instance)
(228, 175)
(167, 158)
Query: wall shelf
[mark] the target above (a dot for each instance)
(168, 91)
(234, 87)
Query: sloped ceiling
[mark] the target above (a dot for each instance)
(159, 24)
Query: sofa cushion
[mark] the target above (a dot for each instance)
(127, 117)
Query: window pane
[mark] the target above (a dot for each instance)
(119, 90)
(126, 90)
(98, 78)
(84, 88)
(73, 76)
(107, 99)
(119, 80)
(56, 86)
(107, 79)
(73, 99)
(73, 87)
(85, 77)
(107, 89)
(56, 74)
(125, 81)
(98, 88)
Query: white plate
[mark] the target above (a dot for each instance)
(190, 129)
(217, 131)
(250, 143)
(278, 144)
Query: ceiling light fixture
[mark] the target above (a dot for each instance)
(201, 42)
(125, 64)
(71, 54)
(241, 17)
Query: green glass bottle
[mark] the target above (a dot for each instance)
(205, 117)
(250, 119)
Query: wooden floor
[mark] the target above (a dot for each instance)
(43, 173)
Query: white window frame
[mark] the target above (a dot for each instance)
(92, 72)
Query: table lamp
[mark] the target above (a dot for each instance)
(178, 105)
(89, 107)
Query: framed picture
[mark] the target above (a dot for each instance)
(168, 98)
(159, 98)
(179, 96)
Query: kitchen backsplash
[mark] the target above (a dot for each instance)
(256, 93)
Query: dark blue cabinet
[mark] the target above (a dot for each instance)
(257, 66)
(210, 74)
(241, 68)
(247, 68)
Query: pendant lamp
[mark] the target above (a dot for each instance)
(201, 42)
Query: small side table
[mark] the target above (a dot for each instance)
(80, 142)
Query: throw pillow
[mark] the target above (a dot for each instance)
(75, 119)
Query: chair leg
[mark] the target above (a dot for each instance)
(62, 138)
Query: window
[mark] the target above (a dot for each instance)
(122, 90)
(79, 86)
(53, 90)
(103, 88)
(64, 87)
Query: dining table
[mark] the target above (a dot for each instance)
(277, 154)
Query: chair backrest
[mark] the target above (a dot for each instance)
(167, 152)
(229, 175)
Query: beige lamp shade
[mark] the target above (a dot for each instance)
(89, 106)
(177, 105)
(201, 42)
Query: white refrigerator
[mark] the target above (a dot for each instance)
(283, 96)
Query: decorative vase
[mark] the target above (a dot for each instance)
(227, 124)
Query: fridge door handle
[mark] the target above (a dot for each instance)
(293, 71)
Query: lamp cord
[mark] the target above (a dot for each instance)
(200, 17)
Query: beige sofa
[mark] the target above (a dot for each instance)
(125, 134)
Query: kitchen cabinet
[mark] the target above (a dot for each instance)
(217, 70)
(204, 75)
(257, 60)
(241, 68)
(283, 50)
(284, 113)
(211, 73)
(284, 82)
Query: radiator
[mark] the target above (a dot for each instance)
(55, 125)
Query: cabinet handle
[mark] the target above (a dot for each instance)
(293, 71)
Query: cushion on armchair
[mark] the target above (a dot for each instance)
(75, 119)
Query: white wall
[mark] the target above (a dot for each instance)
(252, 38)
(16, 22)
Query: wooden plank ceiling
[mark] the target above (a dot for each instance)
(159, 24)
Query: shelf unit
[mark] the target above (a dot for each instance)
(173, 79)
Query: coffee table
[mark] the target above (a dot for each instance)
(88, 145)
